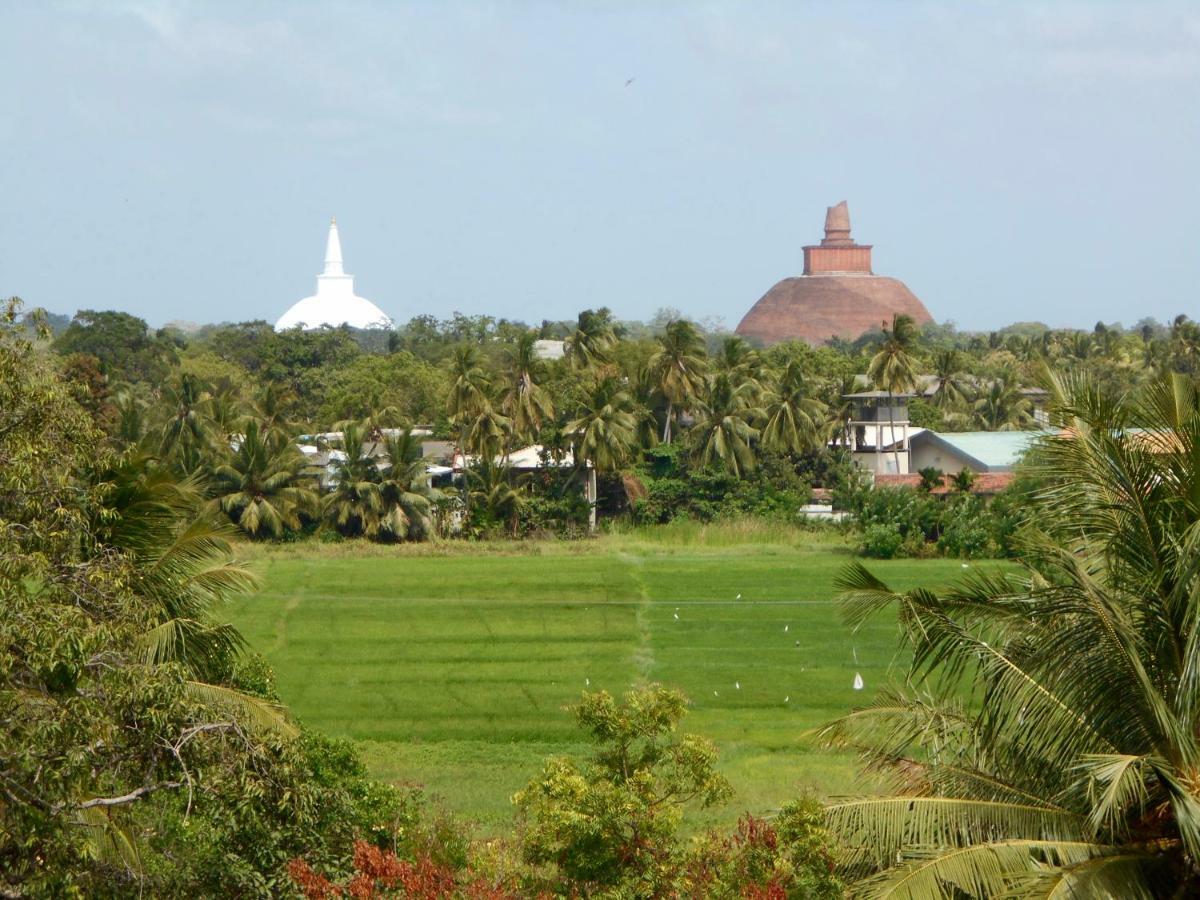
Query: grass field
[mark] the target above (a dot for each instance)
(451, 664)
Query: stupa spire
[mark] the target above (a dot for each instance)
(837, 254)
(333, 251)
(837, 226)
(335, 302)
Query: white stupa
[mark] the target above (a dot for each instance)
(334, 303)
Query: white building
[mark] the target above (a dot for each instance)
(879, 431)
(335, 302)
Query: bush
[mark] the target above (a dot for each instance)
(778, 488)
(787, 857)
(967, 529)
(882, 540)
(908, 522)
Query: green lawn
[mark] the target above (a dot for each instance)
(451, 666)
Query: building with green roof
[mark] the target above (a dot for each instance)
(979, 451)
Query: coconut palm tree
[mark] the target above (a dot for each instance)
(488, 435)
(408, 498)
(262, 487)
(132, 419)
(840, 410)
(645, 399)
(1002, 407)
(893, 368)
(522, 399)
(225, 413)
(724, 432)
(591, 343)
(605, 430)
(468, 384)
(1048, 744)
(355, 505)
(181, 562)
(494, 494)
(739, 361)
(272, 407)
(950, 392)
(794, 420)
(186, 435)
(1185, 344)
(679, 366)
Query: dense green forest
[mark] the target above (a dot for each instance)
(675, 420)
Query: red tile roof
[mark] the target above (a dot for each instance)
(986, 483)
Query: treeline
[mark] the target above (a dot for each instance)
(675, 420)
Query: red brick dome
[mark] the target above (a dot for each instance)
(837, 296)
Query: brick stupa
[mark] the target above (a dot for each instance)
(837, 296)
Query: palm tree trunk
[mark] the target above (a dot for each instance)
(667, 425)
(892, 428)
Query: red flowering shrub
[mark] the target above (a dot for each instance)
(380, 873)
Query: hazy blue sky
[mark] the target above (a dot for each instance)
(1008, 161)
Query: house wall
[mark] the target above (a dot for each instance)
(927, 453)
(882, 463)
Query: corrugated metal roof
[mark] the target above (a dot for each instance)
(994, 449)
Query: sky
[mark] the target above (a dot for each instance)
(1009, 161)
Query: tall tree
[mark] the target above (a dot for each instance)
(469, 392)
(1048, 743)
(739, 361)
(646, 399)
(408, 497)
(794, 420)
(1002, 407)
(605, 430)
(893, 367)
(591, 342)
(262, 487)
(724, 433)
(355, 503)
(488, 435)
(272, 407)
(187, 434)
(679, 366)
(523, 399)
(950, 392)
(101, 746)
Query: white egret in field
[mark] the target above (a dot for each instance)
(587, 682)
(715, 694)
(787, 698)
(677, 615)
(738, 597)
(858, 682)
(737, 685)
(786, 627)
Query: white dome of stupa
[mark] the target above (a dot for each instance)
(335, 302)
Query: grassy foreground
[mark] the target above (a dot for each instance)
(450, 664)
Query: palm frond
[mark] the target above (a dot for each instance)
(985, 869)
(252, 711)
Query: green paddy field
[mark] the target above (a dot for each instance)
(451, 664)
